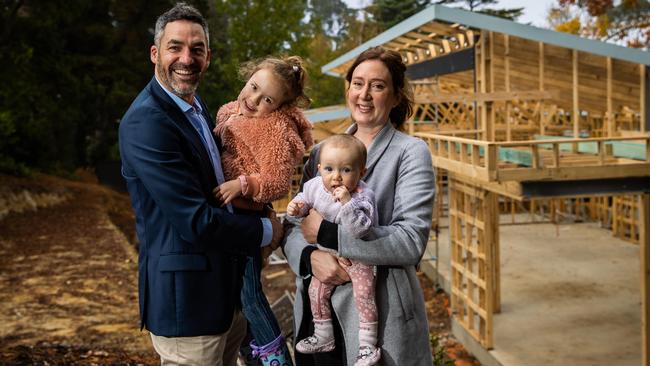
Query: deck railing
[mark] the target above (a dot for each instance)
(548, 159)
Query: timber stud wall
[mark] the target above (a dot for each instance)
(473, 222)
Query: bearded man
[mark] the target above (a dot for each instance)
(191, 247)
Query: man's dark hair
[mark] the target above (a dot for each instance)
(181, 11)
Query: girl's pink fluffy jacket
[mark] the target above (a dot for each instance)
(270, 146)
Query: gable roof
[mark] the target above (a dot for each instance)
(495, 24)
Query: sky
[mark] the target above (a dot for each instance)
(534, 10)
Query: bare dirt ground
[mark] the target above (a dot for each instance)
(68, 278)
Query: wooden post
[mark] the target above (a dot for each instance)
(506, 56)
(491, 112)
(476, 156)
(602, 153)
(610, 109)
(542, 117)
(644, 244)
(642, 99)
(576, 109)
(491, 161)
(492, 230)
(487, 128)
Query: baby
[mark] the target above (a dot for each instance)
(340, 196)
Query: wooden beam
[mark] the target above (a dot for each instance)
(610, 109)
(492, 225)
(446, 45)
(506, 61)
(491, 111)
(482, 79)
(410, 57)
(540, 63)
(486, 97)
(576, 109)
(433, 50)
(643, 98)
(506, 57)
(644, 244)
(470, 37)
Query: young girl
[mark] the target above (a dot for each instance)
(263, 135)
(341, 197)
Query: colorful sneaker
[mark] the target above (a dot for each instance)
(368, 356)
(246, 356)
(278, 358)
(313, 344)
(275, 353)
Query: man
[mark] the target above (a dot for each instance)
(192, 247)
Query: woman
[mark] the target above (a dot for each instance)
(399, 171)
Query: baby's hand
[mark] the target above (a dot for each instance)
(294, 208)
(341, 194)
(228, 191)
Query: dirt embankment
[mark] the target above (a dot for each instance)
(68, 290)
(68, 278)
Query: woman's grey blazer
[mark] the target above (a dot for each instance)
(401, 175)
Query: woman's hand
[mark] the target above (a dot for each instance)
(310, 225)
(327, 269)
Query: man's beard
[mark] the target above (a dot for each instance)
(181, 89)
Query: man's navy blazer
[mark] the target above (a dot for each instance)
(191, 251)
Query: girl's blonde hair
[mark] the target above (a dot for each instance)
(290, 70)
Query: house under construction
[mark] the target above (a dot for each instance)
(520, 120)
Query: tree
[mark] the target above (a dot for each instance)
(46, 85)
(481, 6)
(71, 68)
(332, 17)
(626, 22)
(248, 30)
(387, 13)
(332, 27)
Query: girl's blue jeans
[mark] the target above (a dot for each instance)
(256, 308)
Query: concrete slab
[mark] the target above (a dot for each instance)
(570, 296)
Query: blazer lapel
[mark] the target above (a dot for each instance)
(179, 118)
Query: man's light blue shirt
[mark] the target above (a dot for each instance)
(194, 114)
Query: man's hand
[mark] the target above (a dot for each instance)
(228, 191)
(327, 269)
(342, 194)
(266, 253)
(294, 208)
(278, 230)
(310, 225)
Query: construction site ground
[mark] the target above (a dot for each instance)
(570, 295)
(68, 278)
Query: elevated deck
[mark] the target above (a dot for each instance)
(534, 168)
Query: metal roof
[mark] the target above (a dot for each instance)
(495, 24)
(327, 113)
